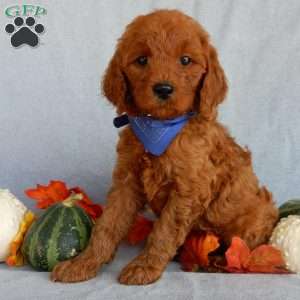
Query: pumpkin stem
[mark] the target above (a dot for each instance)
(70, 201)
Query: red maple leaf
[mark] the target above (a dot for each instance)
(57, 191)
(263, 259)
(237, 255)
(139, 230)
(196, 249)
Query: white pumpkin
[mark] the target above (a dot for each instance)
(12, 213)
(286, 237)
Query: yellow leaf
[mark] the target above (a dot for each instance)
(16, 258)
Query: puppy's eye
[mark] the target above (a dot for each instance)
(142, 60)
(185, 60)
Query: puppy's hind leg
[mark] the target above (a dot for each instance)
(255, 227)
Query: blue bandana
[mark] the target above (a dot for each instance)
(155, 135)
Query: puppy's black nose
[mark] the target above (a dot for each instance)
(163, 90)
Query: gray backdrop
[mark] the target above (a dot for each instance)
(54, 124)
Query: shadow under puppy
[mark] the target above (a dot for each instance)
(174, 155)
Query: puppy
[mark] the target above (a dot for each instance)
(165, 73)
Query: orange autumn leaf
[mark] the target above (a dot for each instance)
(266, 259)
(93, 210)
(237, 255)
(139, 230)
(15, 257)
(263, 259)
(45, 196)
(57, 191)
(195, 251)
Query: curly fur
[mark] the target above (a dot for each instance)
(204, 181)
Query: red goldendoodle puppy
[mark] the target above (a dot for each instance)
(165, 68)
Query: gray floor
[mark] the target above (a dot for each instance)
(25, 283)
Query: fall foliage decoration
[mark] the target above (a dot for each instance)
(196, 254)
(263, 259)
(16, 258)
(195, 251)
(139, 230)
(57, 191)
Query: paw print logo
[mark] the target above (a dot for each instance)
(24, 33)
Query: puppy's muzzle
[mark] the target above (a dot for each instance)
(163, 90)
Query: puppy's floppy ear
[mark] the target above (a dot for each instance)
(213, 86)
(114, 84)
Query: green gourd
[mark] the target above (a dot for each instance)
(60, 233)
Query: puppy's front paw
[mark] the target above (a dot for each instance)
(139, 274)
(74, 270)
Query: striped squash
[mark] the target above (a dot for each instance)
(59, 234)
